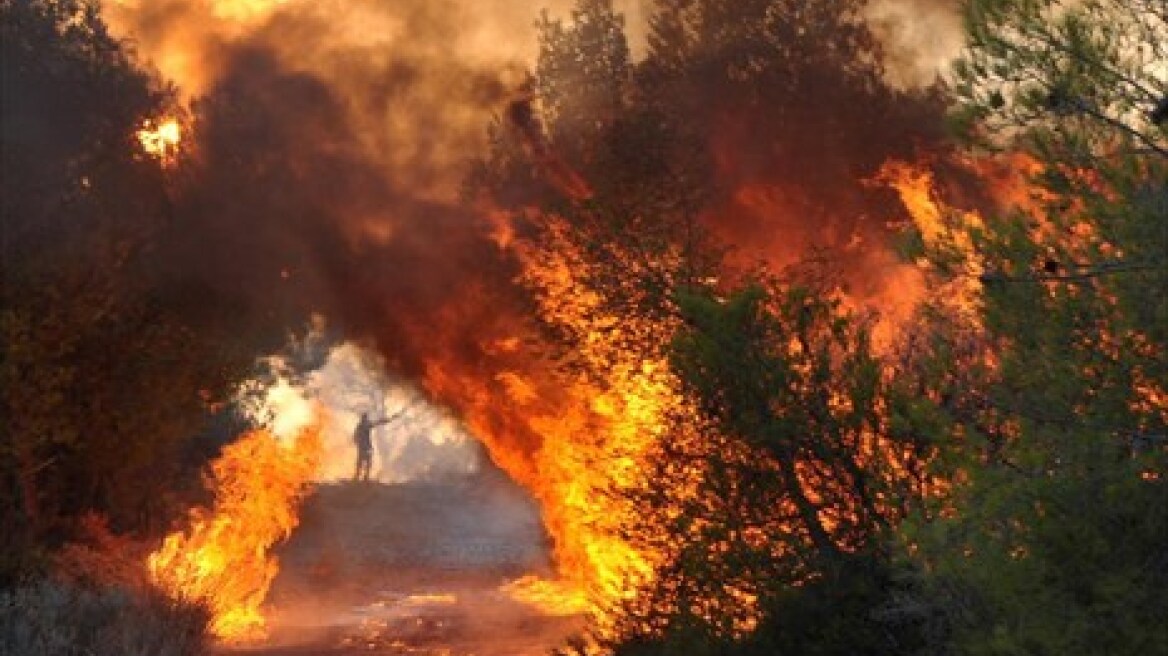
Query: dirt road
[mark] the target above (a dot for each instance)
(412, 569)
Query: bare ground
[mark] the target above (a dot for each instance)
(412, 569)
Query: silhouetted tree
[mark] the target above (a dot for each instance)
(104, 377)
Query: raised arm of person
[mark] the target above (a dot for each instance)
(386, 420)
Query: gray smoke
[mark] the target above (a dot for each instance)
(920, 37)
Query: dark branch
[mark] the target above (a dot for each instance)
(1083, 274)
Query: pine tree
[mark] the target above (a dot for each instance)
(1054, 539)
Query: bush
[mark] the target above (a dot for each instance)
(54, 619)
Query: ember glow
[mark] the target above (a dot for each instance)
(160, 139)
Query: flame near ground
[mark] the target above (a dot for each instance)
(223, 559)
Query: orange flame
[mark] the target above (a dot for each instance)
(222, 559)
(943, 229)
(567, 437)
(597, 440)
(161, 139)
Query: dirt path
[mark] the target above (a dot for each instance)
(412, 569)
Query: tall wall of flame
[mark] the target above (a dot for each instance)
(330, 143)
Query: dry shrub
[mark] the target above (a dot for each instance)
(98, 601)
(58, 619)
(98, 558)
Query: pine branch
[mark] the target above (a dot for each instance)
(1083, 274)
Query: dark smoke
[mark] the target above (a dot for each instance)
(325, 181)
(523, 118)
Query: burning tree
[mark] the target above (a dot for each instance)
(222, 559)
(104, 379)
(790, 481)
(113, 365)
(722, 456)
(849, 466)
(1052, 541)
(772, 497)
(600, 268)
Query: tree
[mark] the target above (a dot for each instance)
(583, 74)
(788, 97)
(635, 236)
(1052, 539)
(776, 489)
(104, 377)
(773, 498)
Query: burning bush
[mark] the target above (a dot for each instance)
(222, 560)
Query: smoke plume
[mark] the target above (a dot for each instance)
(920, 38)
(332, 139)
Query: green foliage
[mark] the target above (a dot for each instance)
(1064, 560)
(768, 489)
(837, 614)
(1083, 75)
(1052, 541)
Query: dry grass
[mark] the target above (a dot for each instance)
(55, 619)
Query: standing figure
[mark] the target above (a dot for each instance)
(363, 437)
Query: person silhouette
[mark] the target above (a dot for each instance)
(363, 438)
